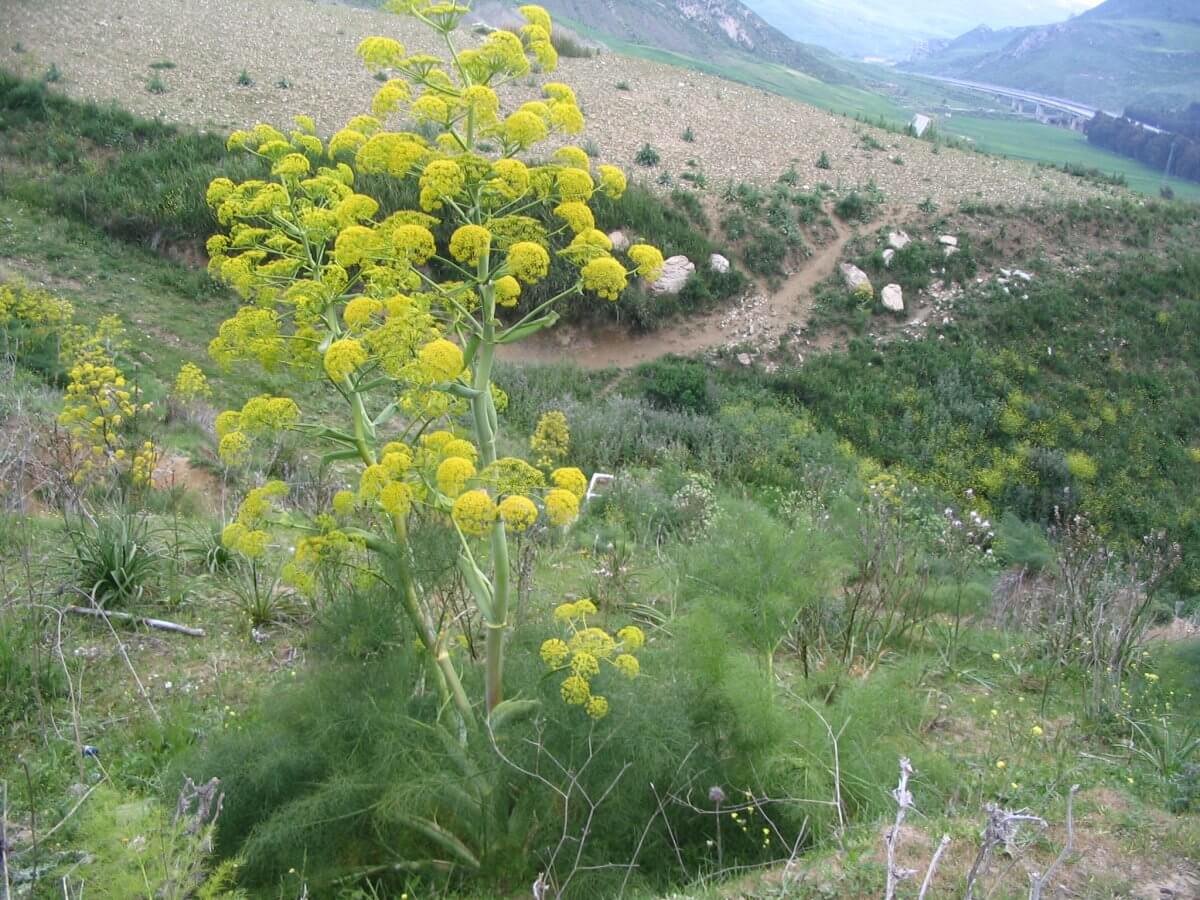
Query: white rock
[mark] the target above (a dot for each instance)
(950, 249)
(893, 298)
(948, 240)
(718, 263)
(888, 255)
(898, 240)
(675, 274)
(619, 240)
(744, 359)
(1024, 276)
(853, 275)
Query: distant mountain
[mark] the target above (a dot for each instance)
(886, 29)
(697, 28)
(1119, 53)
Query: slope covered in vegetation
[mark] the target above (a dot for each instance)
(706, 681)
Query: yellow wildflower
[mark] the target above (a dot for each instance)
(528, 261)
(474, 512)
(442, 359)
(517, 512)
(575, 690)
(470, 243)
(554, 652)
(570, 479)
(605, 276)
(597, 707)
(453, 475)
(343, 357)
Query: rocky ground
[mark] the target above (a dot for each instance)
(300, 58)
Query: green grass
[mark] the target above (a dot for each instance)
(1043, 143)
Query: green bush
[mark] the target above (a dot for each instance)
(677, 384)
(646, 156)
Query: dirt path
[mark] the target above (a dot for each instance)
(758, 318)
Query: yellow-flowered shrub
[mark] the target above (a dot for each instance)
(102, 411)
(396, 310)
(586, 651)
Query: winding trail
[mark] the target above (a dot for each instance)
(610, 345)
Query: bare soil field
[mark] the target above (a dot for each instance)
(299, 56)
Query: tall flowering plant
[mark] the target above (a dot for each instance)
(403, 328)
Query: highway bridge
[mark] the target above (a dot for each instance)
(1050, 110)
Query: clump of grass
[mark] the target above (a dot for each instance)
(162, 65)
(623, 86)
(53, 74)
(244, 79)
(156, 85)
(568, 46)
(283, 84)
(869, 143)
(688, 135)
(823, 161)
(647, 156)
(114, 560)
(696, 178)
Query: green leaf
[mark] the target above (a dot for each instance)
(335, 456)
(508, 712)
(520, 332)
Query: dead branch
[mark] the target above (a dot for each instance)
(1001, 829)
(933, 864)
(160, 624)
(1038, 882)
(904, 802)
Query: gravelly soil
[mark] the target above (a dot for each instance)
(104, 49)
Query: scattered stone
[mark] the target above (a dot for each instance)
(718, 263)
(950, 249)
(853, 276)
(893, 298)
(888, 255)
(675, 274)
(898, 240)
(1024, 276)
(620, 241)
(745, 359)
(948, 240)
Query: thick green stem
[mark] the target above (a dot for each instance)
(483, 409)
(449, 684)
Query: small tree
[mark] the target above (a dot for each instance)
(398, 317)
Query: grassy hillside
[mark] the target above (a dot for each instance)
(1107, 57)
(725, 29)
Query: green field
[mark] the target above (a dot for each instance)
(1044, 143)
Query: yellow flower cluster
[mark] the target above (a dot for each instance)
(585, 651)
(190, 384)
(38, 311)
(99, 412)
(262, 415)
(551, 438)
(245, 534)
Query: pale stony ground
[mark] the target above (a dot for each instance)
(104, 49)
